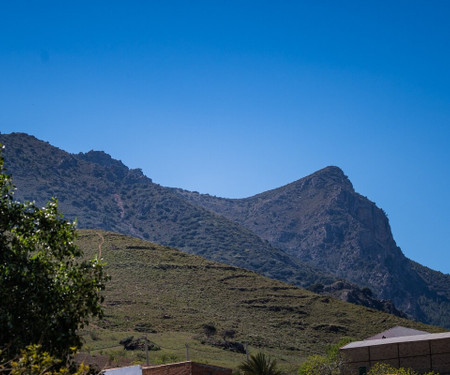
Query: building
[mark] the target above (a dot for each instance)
(185, 368)
(397, 331)
(422, 352)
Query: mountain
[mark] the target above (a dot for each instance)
(289, 233)
(175, 298)
(322, 221)
(100, 192)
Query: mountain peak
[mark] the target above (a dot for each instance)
(101, 158)
(331, 169)
(325, 177)
(332, 172)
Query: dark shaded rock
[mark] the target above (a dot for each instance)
(130, 343)
(232, 346)
(349, 292)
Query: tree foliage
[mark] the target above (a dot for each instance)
(34, 361)
(319, 365)
(47, 290)
(385, 369)
(260, 364)
(329, 364)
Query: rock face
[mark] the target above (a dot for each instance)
(322, 221)
(317, 229)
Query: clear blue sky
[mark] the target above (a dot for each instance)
(233, 98)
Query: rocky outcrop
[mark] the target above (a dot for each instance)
(352, 293)
(322, 221)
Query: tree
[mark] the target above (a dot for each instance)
(329, 364)
(259, 364)
(47, 290)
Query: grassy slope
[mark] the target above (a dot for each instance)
(168, 295)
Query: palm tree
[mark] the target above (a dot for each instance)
(259, 364)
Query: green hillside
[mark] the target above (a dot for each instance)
(171, 297)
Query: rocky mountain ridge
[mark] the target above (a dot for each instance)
(322, 221)
(102, 193)
(315, 230)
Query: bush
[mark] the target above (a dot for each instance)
(34, 361)
(325, 365)
(385, 369)
(209, 330)
(259, 364)
(318, 365)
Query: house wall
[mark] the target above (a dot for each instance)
(422, 356)
(171, 369)
(186, 368)
(201, 369)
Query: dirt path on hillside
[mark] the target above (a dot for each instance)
(102, 241)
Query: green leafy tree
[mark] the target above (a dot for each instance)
(259, 364)
(47, 290)
(329, 364)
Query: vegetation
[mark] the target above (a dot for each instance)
(175, 298)
(34, 361)
(438, 283)
(260, 364)
(46, 291)
(329, 364)
(385, 369)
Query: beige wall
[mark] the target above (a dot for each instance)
(422, 356)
